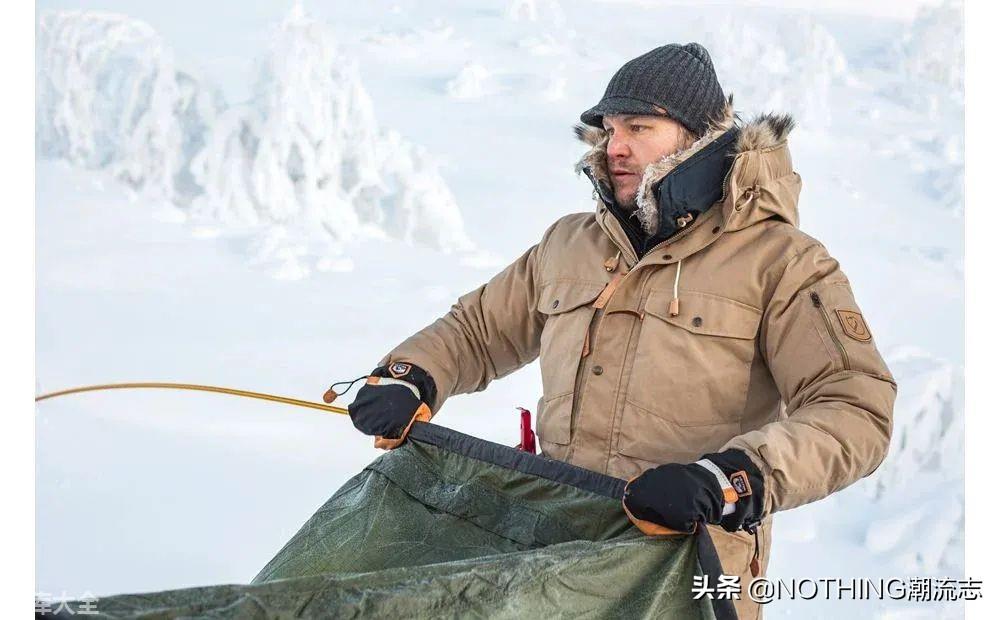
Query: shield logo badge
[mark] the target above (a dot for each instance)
(854, 325)
(399, 369)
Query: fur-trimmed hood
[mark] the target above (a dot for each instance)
(759, 154)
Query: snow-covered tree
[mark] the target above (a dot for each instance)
(933, 47)
(108, 96)
(925, 461)
(303, 163)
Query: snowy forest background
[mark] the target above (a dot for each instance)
(270, 195)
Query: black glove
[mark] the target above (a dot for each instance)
(386, 404)
(680, 496)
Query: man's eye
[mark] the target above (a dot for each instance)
(637, 128)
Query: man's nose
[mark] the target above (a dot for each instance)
(618, 148)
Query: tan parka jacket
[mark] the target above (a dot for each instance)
(739, 331)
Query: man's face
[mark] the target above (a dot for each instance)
(637, 141)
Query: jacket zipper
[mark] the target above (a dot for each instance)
(725, 180)
(818, 303)
(659, 246)
(677, 236)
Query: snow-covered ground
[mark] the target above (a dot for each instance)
(270, 197)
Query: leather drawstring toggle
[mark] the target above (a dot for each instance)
(331, 394)
(675, 303)
(611, 265)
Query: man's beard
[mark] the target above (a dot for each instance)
(628, 202)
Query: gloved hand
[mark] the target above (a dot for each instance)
(680, 496)
(391, 398)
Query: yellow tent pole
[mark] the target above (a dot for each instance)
(200, 388)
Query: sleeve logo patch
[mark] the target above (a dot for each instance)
(399, 369)
(854, 325)
(741, 482)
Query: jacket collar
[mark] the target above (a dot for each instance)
(737, 174)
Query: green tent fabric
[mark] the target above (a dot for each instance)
(452, 526)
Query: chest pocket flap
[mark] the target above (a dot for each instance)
(561, 296)
(707, 314)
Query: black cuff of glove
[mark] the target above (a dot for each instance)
(412, 374)
(385, 408)
(749, 509)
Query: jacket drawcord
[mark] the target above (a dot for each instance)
(750, 194)
(675, 303)
(611, 265)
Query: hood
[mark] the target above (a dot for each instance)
(733, 159)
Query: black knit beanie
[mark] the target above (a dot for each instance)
(676, 80)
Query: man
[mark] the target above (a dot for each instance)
(691, 338)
